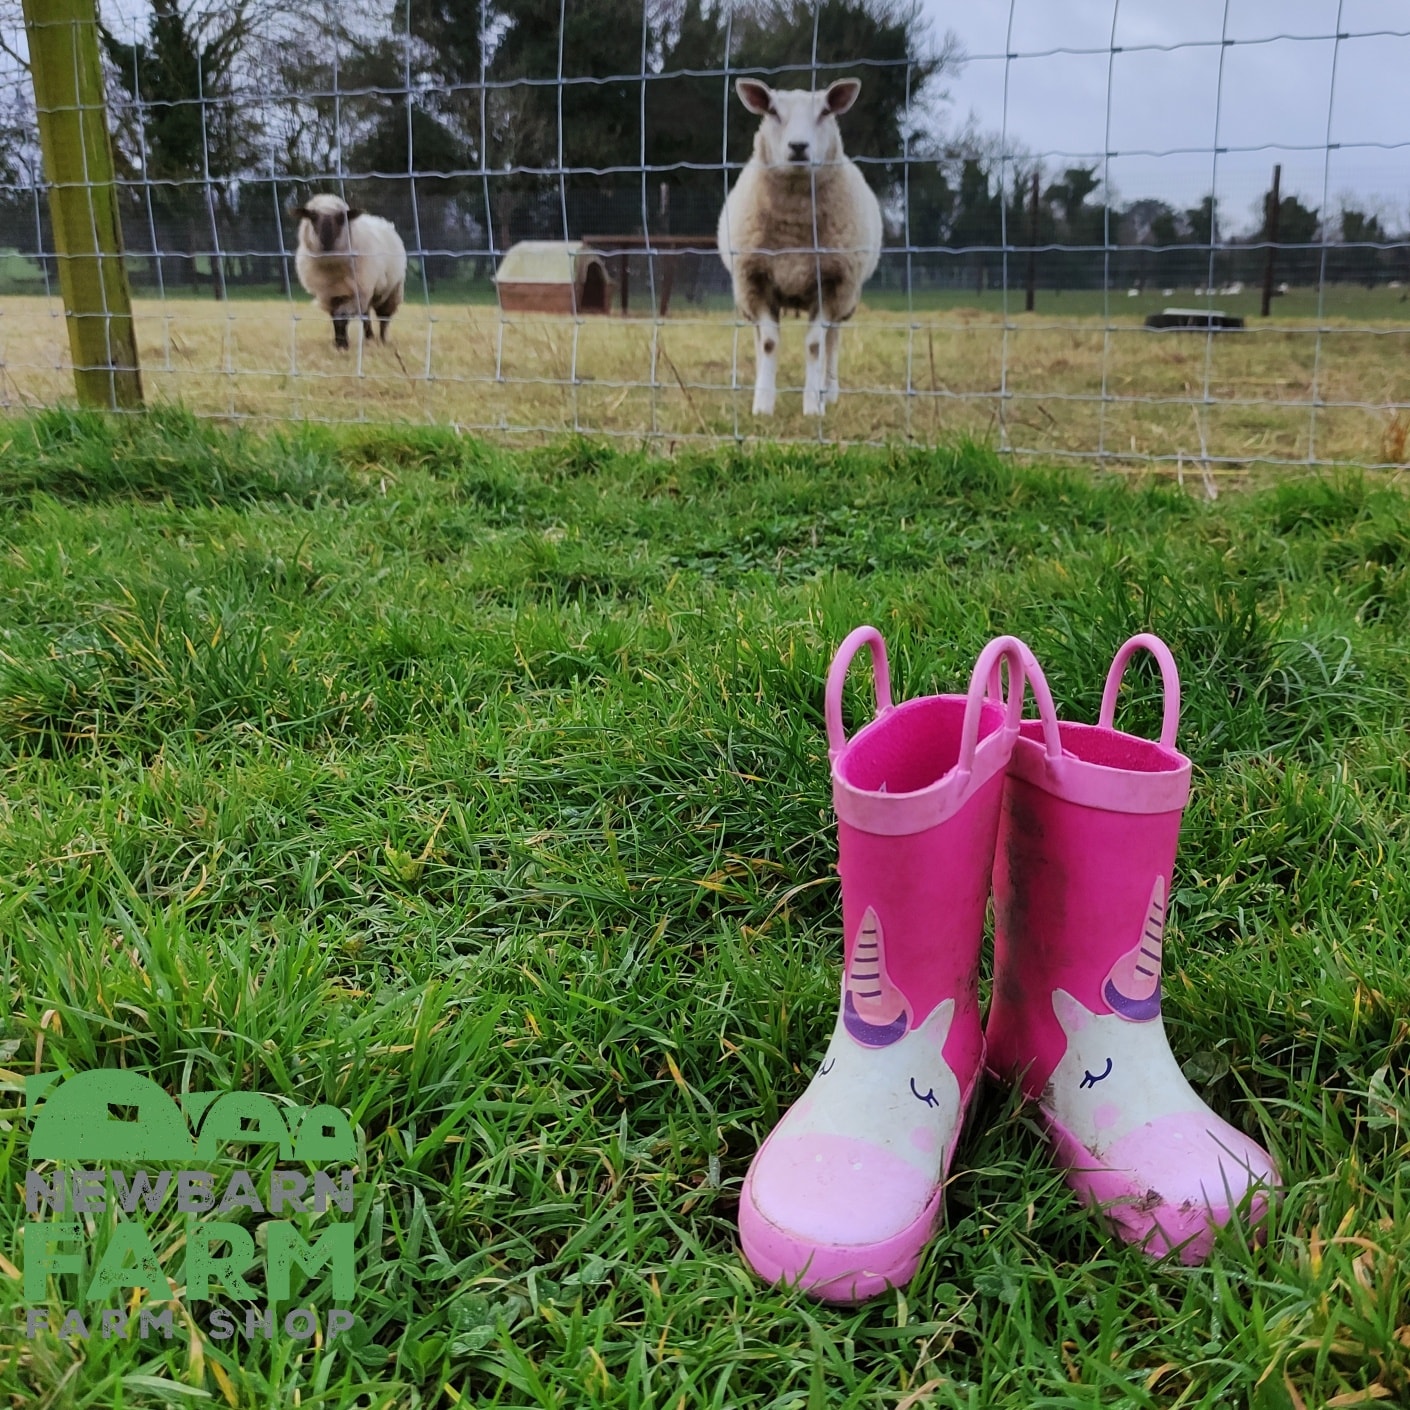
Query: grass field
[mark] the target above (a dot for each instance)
(1062, 381)
(484, 794)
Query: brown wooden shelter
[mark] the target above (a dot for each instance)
(553, 276)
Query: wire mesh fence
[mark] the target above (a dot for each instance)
(1050, 176)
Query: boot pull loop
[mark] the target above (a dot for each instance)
(837, 676)
(1168, 674)
(985, 679)
(1043, 697)
(1047, 711)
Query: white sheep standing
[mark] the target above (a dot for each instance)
(352, 263)
(800, 230)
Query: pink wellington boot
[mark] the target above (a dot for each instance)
(1082, 883)
(844, 1194)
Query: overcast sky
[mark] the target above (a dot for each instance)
(1275, 95)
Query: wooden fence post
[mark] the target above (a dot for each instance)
(83, 203)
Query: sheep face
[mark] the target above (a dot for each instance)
(798, 128)
(323, 224)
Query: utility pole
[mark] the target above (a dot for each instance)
(1270, 228)
(1032, 246)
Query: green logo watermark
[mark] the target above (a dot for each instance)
(93, 1120)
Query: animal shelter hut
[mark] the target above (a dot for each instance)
(553, 276)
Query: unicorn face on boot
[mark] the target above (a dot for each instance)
(859, 1157)
(902, 1098)
(1134, 1134)
(1118, 1072)
(1115, 1075)
(882, 1079)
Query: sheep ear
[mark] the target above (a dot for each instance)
(841, 95)
(355, 211)
(300, 213)
(755, 96)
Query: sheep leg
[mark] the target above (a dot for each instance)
(366, 328)
(385, 308)
(765, 364)
(834, 337)
(815, 371)
(340, 331)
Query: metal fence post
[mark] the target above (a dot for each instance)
(83, 202)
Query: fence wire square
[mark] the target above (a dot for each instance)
(1049, 177)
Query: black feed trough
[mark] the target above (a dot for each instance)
(1201, 319)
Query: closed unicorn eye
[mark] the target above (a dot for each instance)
(827, 1067)
(928, 1098)
(1088, 1080)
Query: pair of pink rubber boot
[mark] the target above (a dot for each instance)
(1073, 827)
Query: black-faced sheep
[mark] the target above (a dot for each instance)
(352, 263)
(800, 230)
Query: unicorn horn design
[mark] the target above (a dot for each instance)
(1133, 986)
(874, 1011)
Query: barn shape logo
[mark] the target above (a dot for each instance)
(92, 1232)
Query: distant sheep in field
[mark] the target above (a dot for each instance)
(352, 263)
(801, 230)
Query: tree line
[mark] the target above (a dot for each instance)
(1082, 242)
(473, 125)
